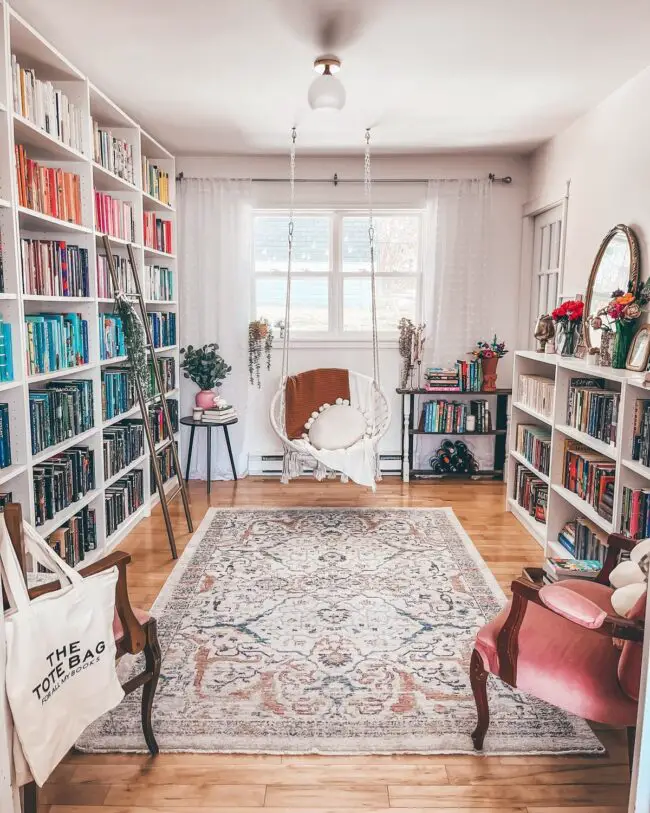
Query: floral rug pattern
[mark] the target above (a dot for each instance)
(329, 631)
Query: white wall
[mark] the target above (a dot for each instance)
(501, 288)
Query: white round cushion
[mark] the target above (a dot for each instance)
(625, 573)
(337, 427)
(626, 597)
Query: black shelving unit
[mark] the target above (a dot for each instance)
(415, 428)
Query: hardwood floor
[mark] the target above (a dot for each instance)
(178, 783)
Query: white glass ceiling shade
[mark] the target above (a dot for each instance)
(326, 93)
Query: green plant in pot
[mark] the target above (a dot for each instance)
(206, 368)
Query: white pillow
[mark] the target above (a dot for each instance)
(337, 427)
(625, 573)
(626, 597)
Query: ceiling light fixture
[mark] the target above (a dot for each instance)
(326, 91)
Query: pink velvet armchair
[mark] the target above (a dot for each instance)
(564, 644)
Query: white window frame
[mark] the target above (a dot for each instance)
(335, 332)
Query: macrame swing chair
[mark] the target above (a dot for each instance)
(340, 436)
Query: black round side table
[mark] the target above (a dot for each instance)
(189, 421)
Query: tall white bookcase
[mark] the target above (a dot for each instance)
(564, 505)
(33, 51)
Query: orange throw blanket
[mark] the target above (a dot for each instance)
(307, 391)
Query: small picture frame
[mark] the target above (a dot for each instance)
(639, 353)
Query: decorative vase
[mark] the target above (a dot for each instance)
(489, 369)
(205, 399)
(622, 339)
(568, 337)
(606, 342)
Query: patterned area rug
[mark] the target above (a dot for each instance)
(330, 631)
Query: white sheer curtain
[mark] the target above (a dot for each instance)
(215, 255)
(456, 270)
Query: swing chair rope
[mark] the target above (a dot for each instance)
(373, 280)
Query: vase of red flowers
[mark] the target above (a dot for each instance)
(568, 318)
(489, 353)
(620, 315)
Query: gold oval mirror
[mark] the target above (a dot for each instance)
(616, 267)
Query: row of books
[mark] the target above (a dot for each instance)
(157, 420)
(55, 341)
(111, 337)
(157, 233)
(558, 569)
(534, 443)
(114, 217)
(75, 538)
(62, 480)
(641, 432)
(537, 392)
(5, 437)
(118, 392)
(6, 351)
(165, 458)
(451, 416)
(531, 493)
(583, 540)
(591, 476)
(155, 181)
(54, 268)
(113, 153)
(124, 276)
(593, 409)
(60, 411)
(48, 190)
(122, 499)
(167, 370)
(158, 283)
(464, 376)
(122, 444)
(46, 106)
(635, 512)
(163, 328)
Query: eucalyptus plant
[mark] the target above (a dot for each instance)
(204, 366)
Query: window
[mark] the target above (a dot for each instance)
(330, 291)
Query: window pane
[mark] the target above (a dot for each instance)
(309, 302)
(396, 244)
(395, 299)
(311, 244)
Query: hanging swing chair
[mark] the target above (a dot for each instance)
(331, 420)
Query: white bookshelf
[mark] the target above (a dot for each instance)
(564, 505)
(33, 51)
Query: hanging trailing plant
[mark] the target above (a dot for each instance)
(134, 340)
(260, 342)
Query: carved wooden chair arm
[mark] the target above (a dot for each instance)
(615, 544)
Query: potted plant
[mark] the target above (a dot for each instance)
(260, 340)
(620, 316)
(206, 368)
(411, 346)
(489, 353)
(568, 318)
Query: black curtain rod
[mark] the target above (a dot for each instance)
(335, 180)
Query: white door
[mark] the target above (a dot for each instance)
(547, 260)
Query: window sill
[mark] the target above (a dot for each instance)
(303, 342)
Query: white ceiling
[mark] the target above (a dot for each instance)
(231, 76)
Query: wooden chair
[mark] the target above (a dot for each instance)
(134, 630)
(564, 644)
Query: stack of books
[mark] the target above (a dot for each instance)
(531, 493)
(114, 217)
(118, 392)
(641, 439)
(157, 233)
(534, 443)
(55, 341)
(593, 409)
(464, 376)
(591, 476)
(557, 570)
(122, 499)
(6, 352)
(54, 268)
(451, 416)
(124, 277)
(163, 328)
(583, 540)
(59, 412)
(635, 512)
(155, 182)
(157, 419)
(75, 538)
(46, 106)
(538, 393)
(167, 370)
(48, 190)
(112, 153)
(5, 437)
(158, 283)
(111, 337)
(166, 467)
(62, 480)
(122, 444)
(223, 415)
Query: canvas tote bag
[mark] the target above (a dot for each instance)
(60, 654)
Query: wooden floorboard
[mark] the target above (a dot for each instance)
(225, 783)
